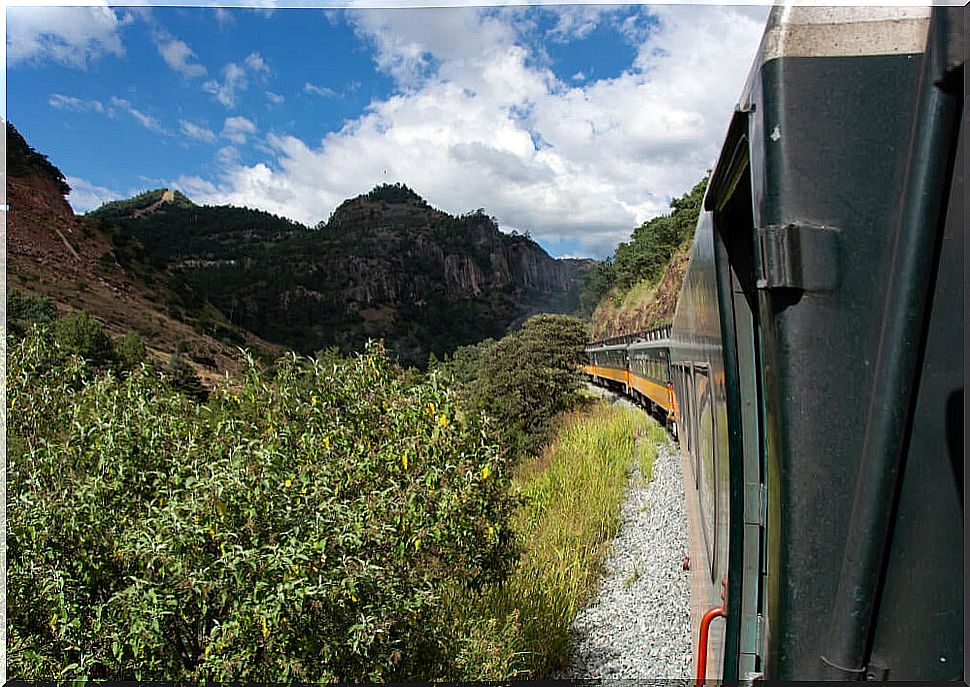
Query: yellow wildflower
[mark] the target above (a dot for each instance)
(486, 472)
(265, 629)
(288, 483)
(443, 420)
(404, 461)
(432, 408)
(417, 544)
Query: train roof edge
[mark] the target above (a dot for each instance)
(660, 333)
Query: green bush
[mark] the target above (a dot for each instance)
(81, 334)
(131, 351)
(303, 529)
(529, 377)
(182, 378)
(24, 310)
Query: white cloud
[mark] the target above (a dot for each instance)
(319, 90)
(233, 80)
(274, 98)
(227, 155)
(72, 36)
(256, 64)
(237, 129)
(577, 21)
(85, 196)
(147, 121)
(478, 122)
(178, 55)
(197, 132)
(67, 102)
(224, 17)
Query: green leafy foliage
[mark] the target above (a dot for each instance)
(24, 311)
(81, 334)
(23, 160)
(130, 351)
(525, 379)
(302, 525)
(182, 377)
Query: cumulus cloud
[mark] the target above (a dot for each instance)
(67, 102)
(72, 36)
(86, 196)
(274, 98)
(237, 129)
(477, 121)
(147, 121)
(197, 132)
(178, 55)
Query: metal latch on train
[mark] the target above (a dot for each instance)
(799, 256)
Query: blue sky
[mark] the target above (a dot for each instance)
(574, 123)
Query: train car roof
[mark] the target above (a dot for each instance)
(843, 31)
(613, 347)
(653, 343)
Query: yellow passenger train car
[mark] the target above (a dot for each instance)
(637, 365)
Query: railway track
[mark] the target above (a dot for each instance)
(639, 623)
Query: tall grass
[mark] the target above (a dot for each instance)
(571, 511)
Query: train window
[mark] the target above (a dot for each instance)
(706, 462)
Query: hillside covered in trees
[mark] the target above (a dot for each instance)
(386, 265)
(638, 286)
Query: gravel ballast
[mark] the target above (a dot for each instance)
(637, 624)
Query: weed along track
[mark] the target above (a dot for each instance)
(637, 625)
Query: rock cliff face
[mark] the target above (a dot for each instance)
(414, 251)
(386, 265)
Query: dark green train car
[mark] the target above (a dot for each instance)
(817, 352)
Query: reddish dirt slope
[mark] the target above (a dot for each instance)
(52, 252)
(643, 308)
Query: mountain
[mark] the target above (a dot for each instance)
(86, 264)
(385, 265)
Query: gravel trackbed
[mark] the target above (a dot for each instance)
(637, 624)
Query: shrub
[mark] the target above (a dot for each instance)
(530, 376)
(24, 310)
(131, 351)
(182, 378)
(303, 529)
(81, 334)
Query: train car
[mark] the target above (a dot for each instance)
(817, 354)
(608, 363)
(648, 361)
(637, 365)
